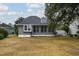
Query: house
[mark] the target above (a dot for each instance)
(34, 26)
(74, 26)
(61, 33)
(8, 28)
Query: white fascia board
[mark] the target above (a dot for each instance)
(31, 24)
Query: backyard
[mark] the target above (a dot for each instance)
(39, 46)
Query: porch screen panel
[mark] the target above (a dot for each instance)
(34, 29)
(45, 28)
(41, 28)
(37, 28)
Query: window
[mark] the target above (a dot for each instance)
(43, 20)
(29, 28)
(43, 28)
(25, 27)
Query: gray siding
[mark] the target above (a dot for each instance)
(42, 33)
(21, 31)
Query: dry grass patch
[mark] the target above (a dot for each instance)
(39, 46)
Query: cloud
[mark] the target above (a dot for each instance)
(34, 5)
(3, 8)
(40, 13)
(14, 12)
(11, 15)
(29, 10)
(36, 9)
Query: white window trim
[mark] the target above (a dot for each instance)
(24, 28)
(27, 28)
(43, 20)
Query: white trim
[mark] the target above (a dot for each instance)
(24, 35)
(28, 27)
(33, 35)
(24, 28)
(43, 35)
(32, 24)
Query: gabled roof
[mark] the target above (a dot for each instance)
(32, 20)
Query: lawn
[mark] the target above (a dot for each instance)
(39, 46)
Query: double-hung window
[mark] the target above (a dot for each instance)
(25, 27)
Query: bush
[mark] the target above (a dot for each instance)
(1, 36)
(78, 33)
(3, 33)
(66, 28)
(71, 35)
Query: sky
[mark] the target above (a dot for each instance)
(10, 12)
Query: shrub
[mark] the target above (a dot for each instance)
(3, 33)
(66, 28)
(77, 34)
(71, 35)
(1, 36)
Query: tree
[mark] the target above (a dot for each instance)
(78, 30)
(20, 19)
(66, 29)
(3, 33)
(10, 24)
(61, 14)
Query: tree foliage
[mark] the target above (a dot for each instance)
(17, 22)
(61, 14)
(3, 33)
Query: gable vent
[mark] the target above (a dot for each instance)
(43, 20)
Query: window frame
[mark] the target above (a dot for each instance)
(24, 28)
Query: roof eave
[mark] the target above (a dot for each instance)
(32, 24)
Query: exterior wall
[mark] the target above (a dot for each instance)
(74, 27)
(61, 33)
(42, 33)
(22, 33)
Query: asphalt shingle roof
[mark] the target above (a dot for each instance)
(32, 20)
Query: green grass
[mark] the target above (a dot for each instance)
(40, 46)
